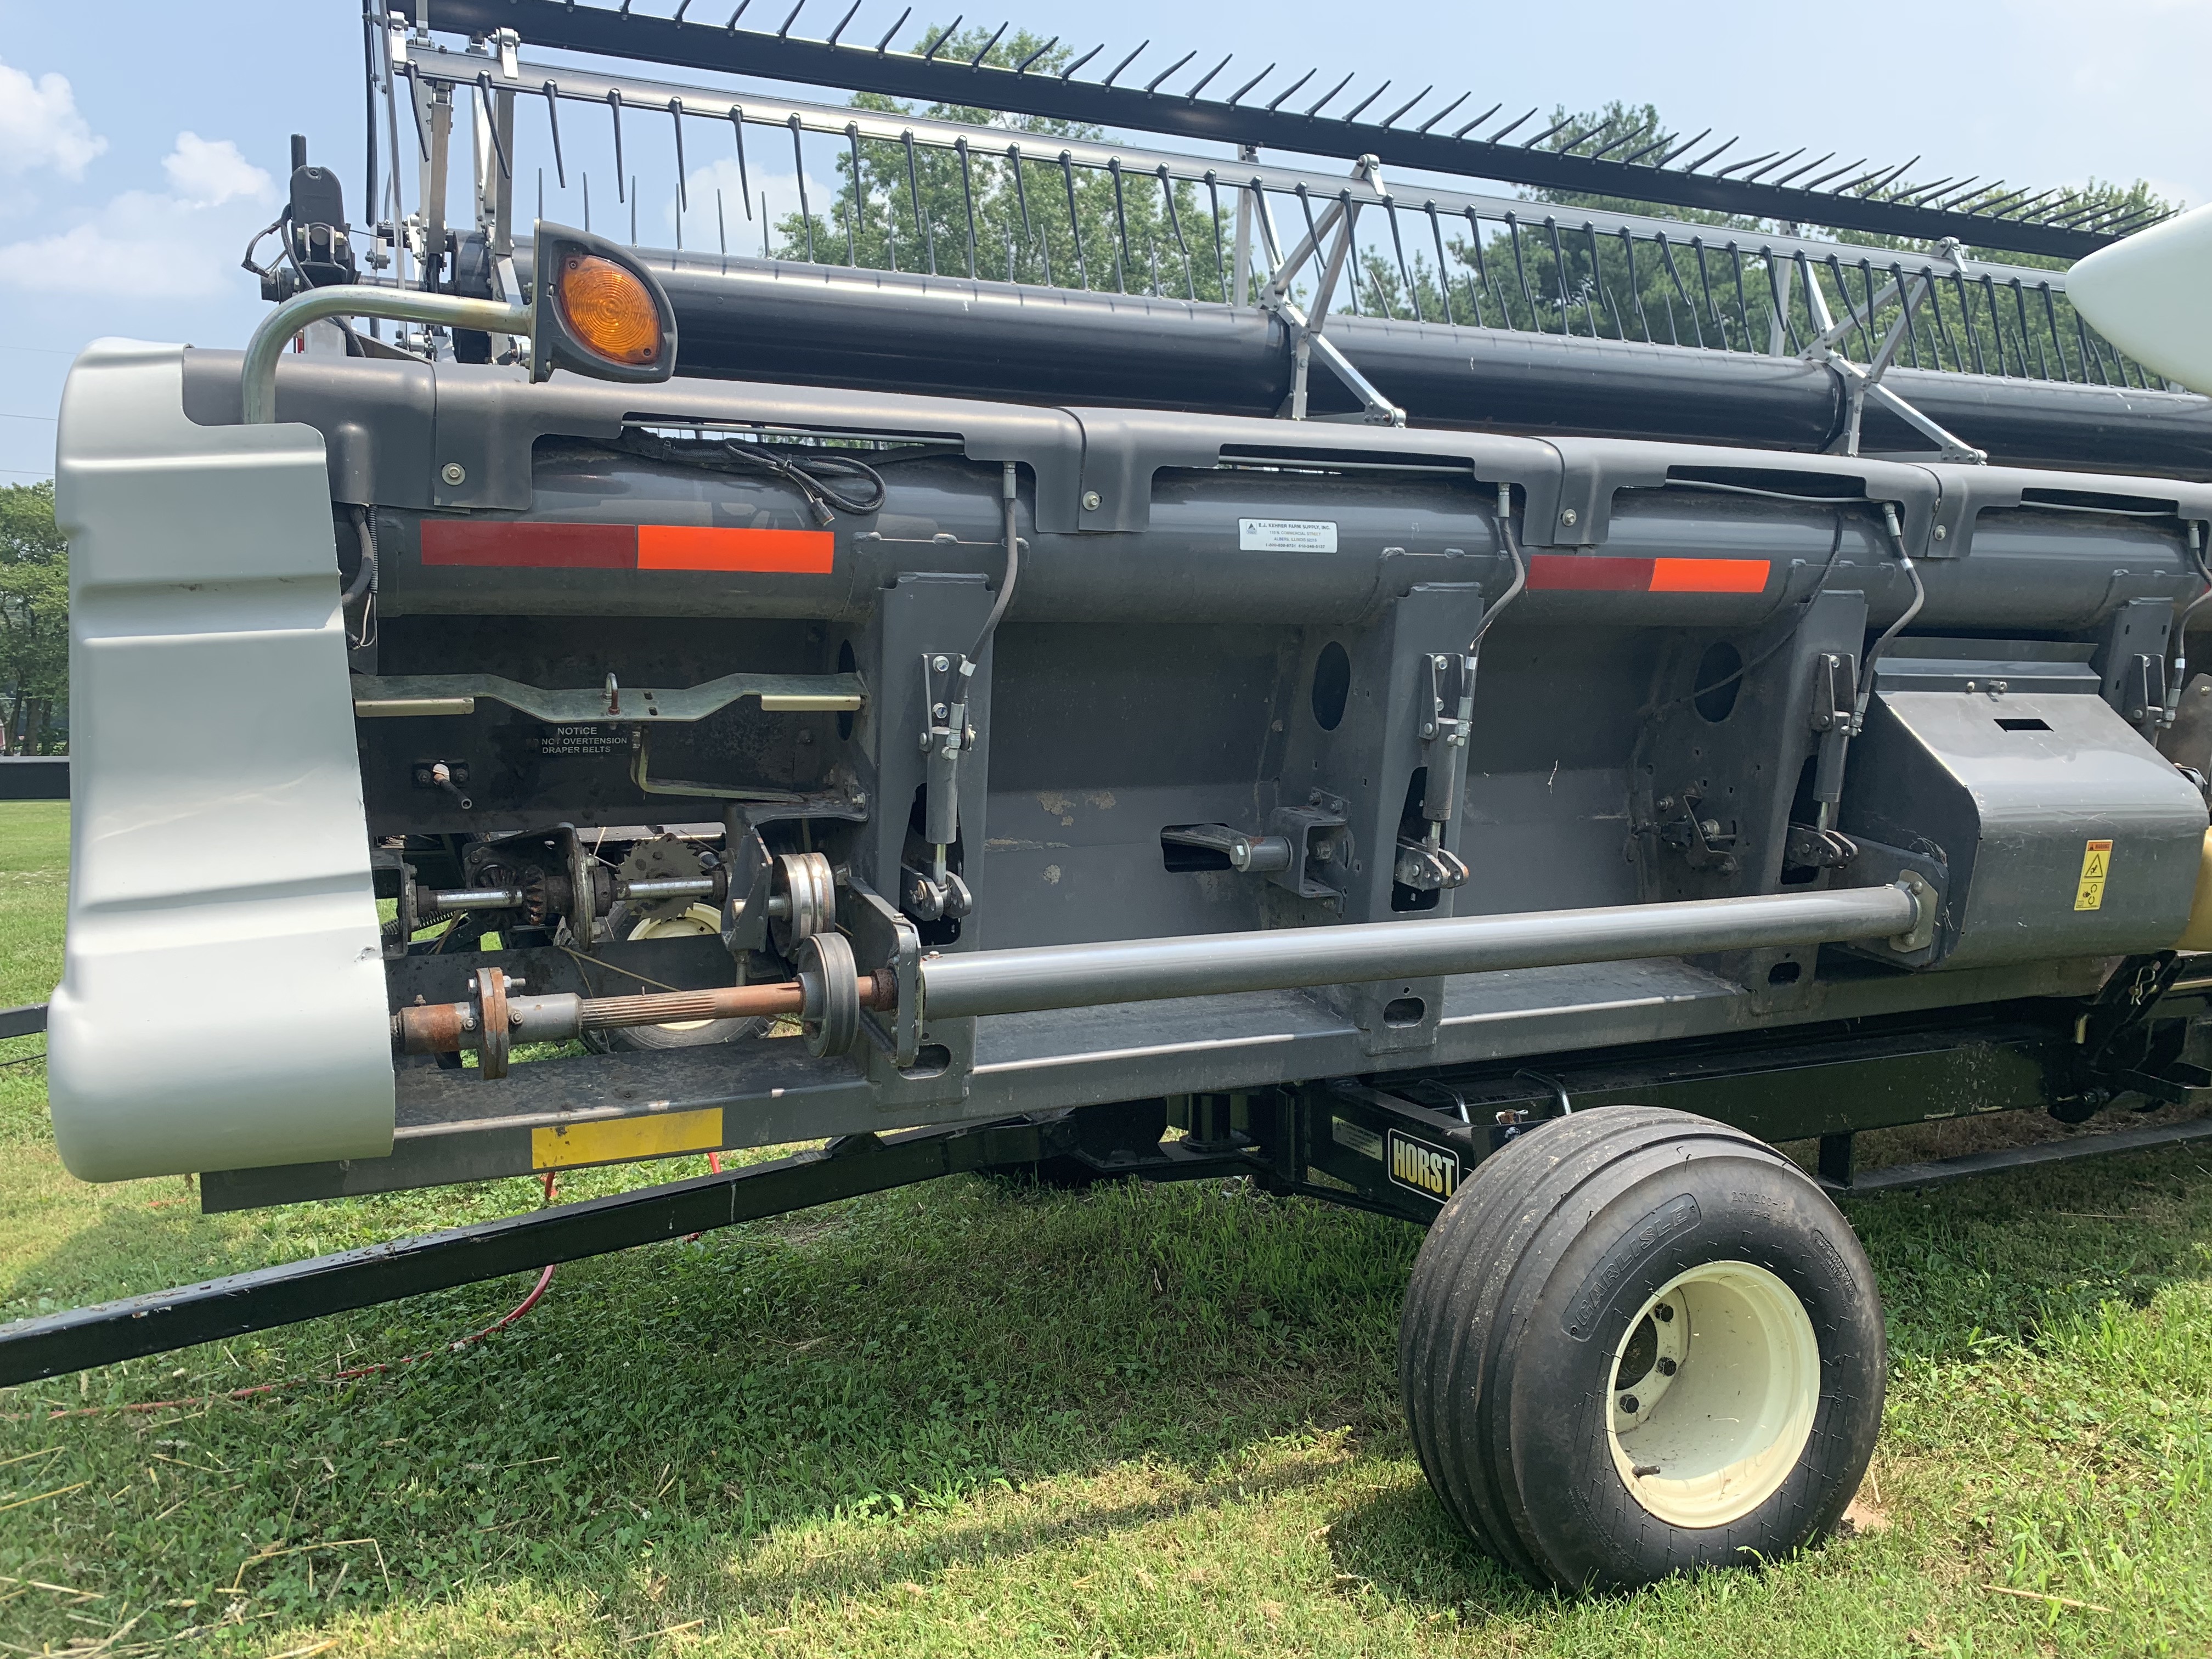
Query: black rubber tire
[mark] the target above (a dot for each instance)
(620, 922)
(1522, 1293)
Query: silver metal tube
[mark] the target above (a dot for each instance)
(1153, 969)
(668, 887)
(553, 1018)
(360, 300)
(471, 898)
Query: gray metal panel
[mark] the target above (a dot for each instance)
(209, 704)
(2012, 789)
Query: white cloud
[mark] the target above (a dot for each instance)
(208, 173)
(701, 233)
(149, 245)
(39, 126)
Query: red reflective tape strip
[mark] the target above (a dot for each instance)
(536, 546)
(1585, 574)
(1596, 574)
(1709, 576)
(686, 547)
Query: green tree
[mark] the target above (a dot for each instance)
(1549, 272)
(34, 620)
(1012, 212)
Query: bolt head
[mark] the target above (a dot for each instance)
(1668, 1367)
(1567, 516)
(454, 473)
(1664, 1313)
(1091, 501)
(1942, 533)
(1629, 1404)
(940, 664)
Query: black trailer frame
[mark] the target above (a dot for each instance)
(1398, 1145)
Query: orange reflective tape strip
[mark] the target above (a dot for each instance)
(690, 547)
(1709, 576)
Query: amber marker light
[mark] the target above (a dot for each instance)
(608, 310)
(597, 310)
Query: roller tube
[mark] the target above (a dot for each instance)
(1214, 965)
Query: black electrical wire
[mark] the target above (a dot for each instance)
(364, 580)
(1804, 608)
(1770, 495)
(815, 476)
(820, 475)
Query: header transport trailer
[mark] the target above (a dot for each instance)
(1160, 664)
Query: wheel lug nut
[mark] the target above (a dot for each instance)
(1666, 1368)
(1628, 1404)
(1664, 1314)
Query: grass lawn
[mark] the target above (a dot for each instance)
(976, 1419)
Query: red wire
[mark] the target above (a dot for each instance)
(714, 1163)
(536, 1290)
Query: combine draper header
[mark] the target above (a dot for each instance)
(1116, 661)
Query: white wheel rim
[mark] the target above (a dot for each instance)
(1711, 1411)
(698, 918)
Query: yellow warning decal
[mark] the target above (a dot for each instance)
(2096, 864)
(661, 1135)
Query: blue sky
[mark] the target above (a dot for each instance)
(141, 143)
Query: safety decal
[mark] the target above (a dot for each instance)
(1600, 574)
(513, 543)
(2096, 866)
(1431, 1171)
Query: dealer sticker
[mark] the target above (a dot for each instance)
(2096, 866)
(1287, 535)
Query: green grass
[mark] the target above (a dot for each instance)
(980, 1419)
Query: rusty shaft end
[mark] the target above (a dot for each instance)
(450, 1027)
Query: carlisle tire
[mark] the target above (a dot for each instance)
(1638, 1342)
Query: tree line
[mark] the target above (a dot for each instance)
(34, 622)
(1012, 213)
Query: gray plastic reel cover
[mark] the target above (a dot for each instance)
(222, 1002)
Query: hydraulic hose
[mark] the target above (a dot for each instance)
(1919, 598)
(1013, 569)
(1511, 544)
(2173, 681)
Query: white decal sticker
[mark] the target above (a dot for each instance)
(1287, 535)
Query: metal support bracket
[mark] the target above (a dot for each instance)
(1258, 855)
(1307, 340)
(1862, 383)
(1319, 853)
(882, 939)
